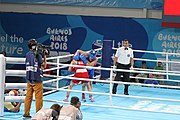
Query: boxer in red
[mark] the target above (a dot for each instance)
(79, 73)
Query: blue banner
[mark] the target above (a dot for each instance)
(67, 33)
(150, 4)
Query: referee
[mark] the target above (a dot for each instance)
(123, 60)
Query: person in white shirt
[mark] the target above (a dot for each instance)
(51, 113)
(123, 60)
(72, 111)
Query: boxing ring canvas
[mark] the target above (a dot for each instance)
(142, 107)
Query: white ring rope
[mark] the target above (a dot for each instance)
(58, 57)
(142, 69)
(118, 95)
(153, 52)
(140, 59)
(132, 71)
(10, 60)
(47, 75)
(15, 85)
(22, 73)
(53, 80)
(105, 81)
(169, 80)
(14, 98)
(65, 56)
(19, 73)
(55, 68)
(121, 70)
(15, 60)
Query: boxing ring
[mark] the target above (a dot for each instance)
(146, 101)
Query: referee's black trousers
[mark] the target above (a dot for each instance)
(119, 77)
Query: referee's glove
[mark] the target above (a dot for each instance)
(114, 66)
(131, 68)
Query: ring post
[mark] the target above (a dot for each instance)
(106, 58)
(111, 79)
(167, 67)
(57, 82)
(2, 82)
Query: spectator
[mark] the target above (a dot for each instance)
(12, 106)
(71, 112)
(159, 67)
(158, 76)
(123, 60)
(34, 66)
(143, 75)
(51, 113)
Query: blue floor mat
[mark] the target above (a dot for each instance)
(131, 108)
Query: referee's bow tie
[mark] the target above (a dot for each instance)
(125, 48)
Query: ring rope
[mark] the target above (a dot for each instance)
(153, 52)
(109, 94)
(117, 95)
(155, 70)
(105, 81)
(140, 59)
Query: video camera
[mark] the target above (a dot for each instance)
(38, 48)
(42, 49)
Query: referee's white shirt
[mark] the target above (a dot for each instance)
(123, 56)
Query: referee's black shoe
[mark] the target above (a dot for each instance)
(126, 93)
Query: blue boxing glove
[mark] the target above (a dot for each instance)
(76, 56)
(83, 58)
(92, 54)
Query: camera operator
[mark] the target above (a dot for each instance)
(34, 66)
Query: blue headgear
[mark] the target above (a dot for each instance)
(83, 58)
(76, 56)
(92, 54)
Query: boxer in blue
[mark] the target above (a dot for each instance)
(91, 61)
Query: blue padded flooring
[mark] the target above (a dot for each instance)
(141, 106)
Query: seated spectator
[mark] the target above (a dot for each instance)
(51, 113)
(144, 75)
(72, 111)
(134, 75)
(12, 106)
(151, 81)
(158, 76)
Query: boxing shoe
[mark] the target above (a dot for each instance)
(83, 98)
(66, 99)
(91, 99)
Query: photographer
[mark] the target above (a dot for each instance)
(34, 66)
(72, 111)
